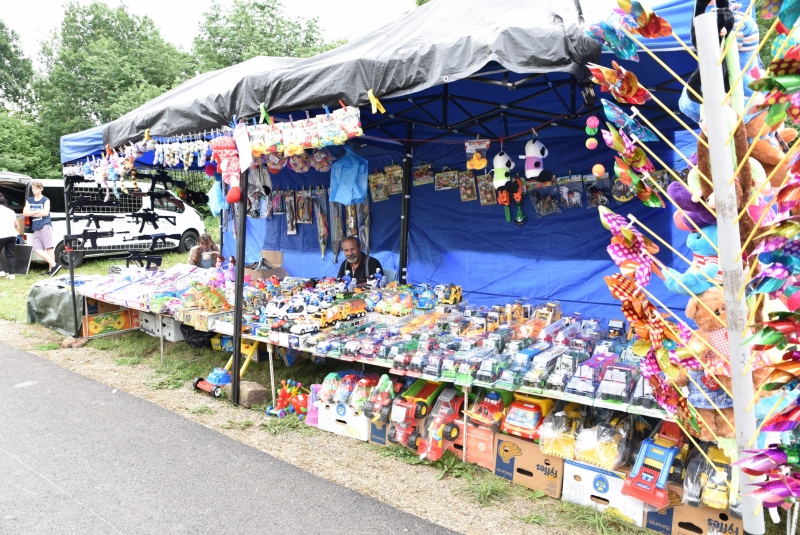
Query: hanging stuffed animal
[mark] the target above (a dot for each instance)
(535, 152)
(506, 187)
(227, 157)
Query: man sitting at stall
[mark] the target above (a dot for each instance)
(361, 266)
(205, 253)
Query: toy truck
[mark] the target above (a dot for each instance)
(489, 412)
(568, 362)
(542, 365)
(617, 328)
(450, 366)
(442, 424)
(351, 350)
(549, 332)
(417, 364)
(362, 391)
(451, 295)
(549, 312)
(467, 371)
(433, 366)
(525, 415)
(588, 375)
(379, 404)
(565, 335)
(490, 369)
(661, 458)
(413, 404)
(515, 346)
(511, 378)
(643, 394)
(618, 382)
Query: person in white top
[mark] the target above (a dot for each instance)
(9, 230)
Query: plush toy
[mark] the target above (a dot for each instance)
(705, 265)
(535, 152)
(771, 147)
(692, 208)
(704, 385)
(227, 156)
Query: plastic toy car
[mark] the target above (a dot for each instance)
(525, 415)
(661, 458)
(643, 394)
(399, 309)
(490, 369)
(515, 346)
(467, 371)
(549, 332)
(549, 312)
(489, 412)
(568, 362)
(417, 364)
(451, 295)
(304, 327)
(322, 347)
(542, 365)
(616, 328)
(362, 390)
(414, 403)
(511, 378)
(442, 424)
(425, 300)
(433, 366)
(351, 350)
(567, 334)
(450, 365)
(400, 363)
(379, 404)
(588, 375)
(618, 382)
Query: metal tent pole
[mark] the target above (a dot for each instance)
(718, 129)
(237, 306)
(67, 199)
(407, 164)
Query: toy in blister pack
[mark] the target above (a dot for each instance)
(486, 191)
(662, 178)
(621, 192)
(321, 160)
(606, 443)
(329, 130)
(278, 206)
(292, 136)
(570, 191)
(423, 174)
(466, 183)
(394, 179)
(273, 138)
(304, 206)
(291, 212)
(476, 154)
(350, 119)
(544, 196)
(559, 429)
(446, 179)
(378, 187)
(308, 133)
(598, 191)
(707, 484)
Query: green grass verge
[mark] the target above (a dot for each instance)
(49, 346)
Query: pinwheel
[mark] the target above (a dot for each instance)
(626, 123)
(645, 193)
(784, 374)
(622, 84)
(644, 21)
(781, 85)
(665, 393)
(629, 248)
(631, 154)
(613, 40)
(770, 460)
(787, 11)
(782, 491)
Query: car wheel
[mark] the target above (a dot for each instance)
(62, 256)
(421, 409)
(450, 431)
(413, 441)
(391, 435)
(188, 240)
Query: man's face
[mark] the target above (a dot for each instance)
(351, 251)
(205, 245)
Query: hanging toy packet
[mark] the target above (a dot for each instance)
(466, 184)
(544, 196)
(394, 179)
(308, 133)
(350, 119)
(476, 154)
(446, 179)
(329, 130)
(598, 191)
(278, 206)
(378, 187)
(570, 191)
(304, 207)
(486, 191)
(292, 138)
(423, 174)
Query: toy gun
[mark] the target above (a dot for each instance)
(165, 195)
(166, 181)
(87, 235)
(86, 201)
(71, 180)
(139, 258)
(94, 218)
(148, 215)
(155, 238)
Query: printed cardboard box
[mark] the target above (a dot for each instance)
(480, 444)
(93, 306)
(591, 486)
(343, 420)
(521, 461)
(377, 433)
(109, 322)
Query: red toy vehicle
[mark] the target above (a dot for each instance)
(442, 426)
(379, 404)
(525, 416)
(489, 412)
(414, 403)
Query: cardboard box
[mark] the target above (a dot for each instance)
(680, 519)
(480, 444)
(149, 324)
(521, 461)
(343, 420)
(109, 322)
(274, 259)
(93, 306)
(377, 433)
(592, 486)
(171, 329)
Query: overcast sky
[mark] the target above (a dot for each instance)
(178, 20)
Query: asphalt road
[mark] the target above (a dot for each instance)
(77, 457)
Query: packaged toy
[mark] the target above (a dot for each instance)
(559, 429)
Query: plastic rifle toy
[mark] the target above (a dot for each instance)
(86, 201)
(94, 218)
(90, 236)
(166, 181)
(148, 215)
(139, 258)
(71, 180)
(155, 239)
(163, 195)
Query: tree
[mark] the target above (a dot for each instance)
(16, 70)
(253, 28)
(21, 149)
(99, 65)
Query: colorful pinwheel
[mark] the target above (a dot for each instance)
(643, 20)
(632, 155)
(788, 11)
(784, 374)
(613, 40)
(781, 84)
(782, 491)
(771, 460)
(629, 248)
(645, 193)
(786, 420)
(626, 123)
(621, 83)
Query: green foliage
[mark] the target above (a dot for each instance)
(129, 361)
(100, 64)
(487, 489)
(251, 28)
(16, 70)
(21, 149)
(201, 409)
(49, 346)
(422, 2)
(239, 426)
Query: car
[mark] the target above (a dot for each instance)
(323, 347)
(542, 365)
(565, 368)
(451, 295)
(304, 327)
(525, 415)
(187, 227)
(449, 367)
(490, 369)
(588, 375)
(489, 412)
(442, 424)
(399, 309)
(511, 378)
(619, 382)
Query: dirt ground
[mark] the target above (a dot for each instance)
(412, 488)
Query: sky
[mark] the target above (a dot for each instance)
(178, 20)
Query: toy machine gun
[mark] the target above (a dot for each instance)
(139, 258)
(149, 215)
(72, 179)
(86, 201)
(154, 239)
(94, 218)
(90, 236)
(167, 183)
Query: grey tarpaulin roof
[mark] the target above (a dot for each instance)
(442, 41)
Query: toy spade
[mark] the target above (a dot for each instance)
(519, 218)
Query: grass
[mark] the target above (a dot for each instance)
(240, 426)
(201, 409)
(49, 346)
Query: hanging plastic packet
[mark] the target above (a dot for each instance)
(308, 133)
(329, 130)
(275, 163)
(320, 200)
(544, 196)
(423, 174)
(486, 192)
(273, 138)
(352, 220)
(446, 179)
(363, 224)
(292, 138)
(476, 153)
(350, 119)
(304, 207)
(291, 213)
(598, 191)
(258, 144)
(278, 205)
(570, 191)
(621, 192)
(394, 179)
(466, 183)
(378, 187)
(337, 229)
(321, 160)
(300, 163)
(662, 178)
